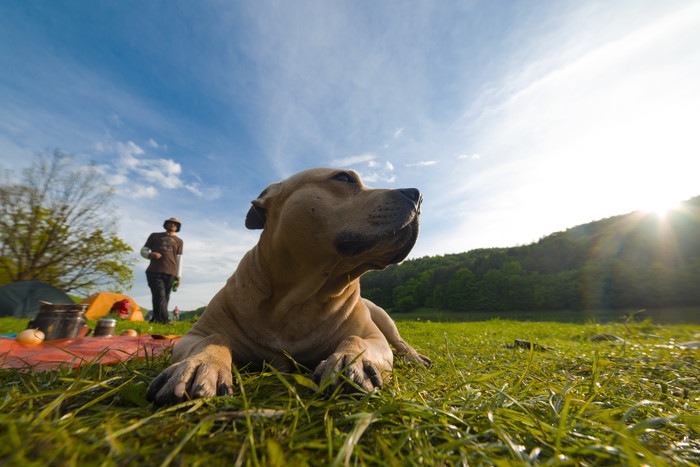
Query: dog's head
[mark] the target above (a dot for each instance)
(330, 212)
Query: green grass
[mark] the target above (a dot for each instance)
(14, 325)
(484, 402)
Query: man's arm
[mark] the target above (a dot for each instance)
(146, 250)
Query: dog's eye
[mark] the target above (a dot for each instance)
(344, 177)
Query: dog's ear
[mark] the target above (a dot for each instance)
(257, 214)
(256, 217)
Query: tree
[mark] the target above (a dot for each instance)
(52, 228)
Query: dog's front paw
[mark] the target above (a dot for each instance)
(190, 379)
(341, 369)
(410, 354)
(417, 358)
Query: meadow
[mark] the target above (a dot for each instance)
(498, 393)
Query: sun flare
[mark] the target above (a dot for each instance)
(661, 207)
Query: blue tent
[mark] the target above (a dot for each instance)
(21, 299)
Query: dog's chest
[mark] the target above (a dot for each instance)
(300, 336)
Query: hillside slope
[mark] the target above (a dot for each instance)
(632, 260)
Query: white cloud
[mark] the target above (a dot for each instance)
(127, 162)
(376, 171)
(469, 156)
(207, 193)
(194, 189)
(138, 192)
(383, 173)
(117, 179)
(145, 175)
(373, 177)
(129, 149)
(164, 172)
(353, 160)
(423, 164)
(127, 156)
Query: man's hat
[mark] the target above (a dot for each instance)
(175, 221)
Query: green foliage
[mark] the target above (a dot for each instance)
(484, 402)
(53, 228)
(192, 315)
(632, 261)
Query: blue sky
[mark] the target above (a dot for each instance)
(515, 119)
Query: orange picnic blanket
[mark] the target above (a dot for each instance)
(80, 350)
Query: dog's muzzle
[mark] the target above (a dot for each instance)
(396, 224)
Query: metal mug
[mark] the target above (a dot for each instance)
(105, 327)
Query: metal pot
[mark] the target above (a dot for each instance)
(59, 321)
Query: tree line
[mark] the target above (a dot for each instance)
(637, 260)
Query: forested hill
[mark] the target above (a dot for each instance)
(637, 260)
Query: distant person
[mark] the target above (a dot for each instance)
(164, 249)
(176, 314)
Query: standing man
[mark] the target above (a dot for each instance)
(164, 249)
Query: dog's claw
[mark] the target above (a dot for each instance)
(423, 360)
(360, 372)
(189, 380)
(410, 354)
(373, 375)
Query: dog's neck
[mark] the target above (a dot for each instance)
(321, 282)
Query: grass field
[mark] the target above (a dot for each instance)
(485, 401)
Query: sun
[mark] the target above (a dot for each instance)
(661, 206)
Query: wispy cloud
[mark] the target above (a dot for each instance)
(353, 160)
(423, 164)
(154, 144)
(162, 172)
(134, 167)
(371, 169)
(379, 172)
(207, 193)
(140, 192)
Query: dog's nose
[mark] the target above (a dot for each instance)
(413, 195)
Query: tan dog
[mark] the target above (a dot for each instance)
(295, 296)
